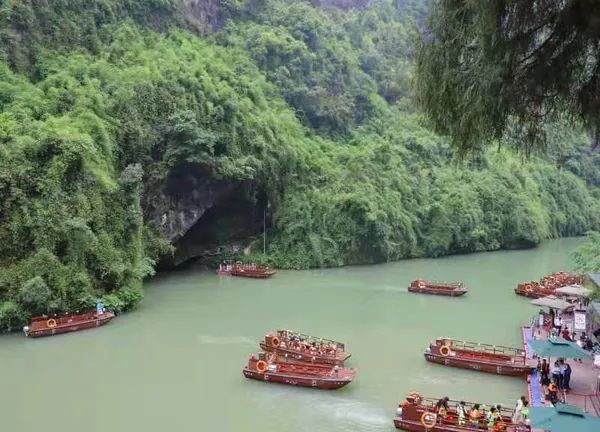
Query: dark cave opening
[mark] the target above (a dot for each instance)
(228, 223)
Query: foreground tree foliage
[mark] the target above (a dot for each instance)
(313, 109)
(486, 68)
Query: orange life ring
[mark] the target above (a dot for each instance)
(51, 323)
(428, 419)
(261, 366)
(445, 350)
(275, 341)
(421, 284)
(528, 288)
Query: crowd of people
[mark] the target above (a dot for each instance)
(308, 346)
(554, 378)
(478, 416)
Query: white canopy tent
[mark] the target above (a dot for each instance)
(574, 291)
(552, 302)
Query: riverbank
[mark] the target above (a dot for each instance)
(175, 361)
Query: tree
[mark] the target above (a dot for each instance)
(486, 68)
(35, 295)
(587, 256)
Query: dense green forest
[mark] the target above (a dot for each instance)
(310, 107)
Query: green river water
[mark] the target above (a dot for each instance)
(174, 364)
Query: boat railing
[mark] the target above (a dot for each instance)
(430, 403)
(445, 283)
(485, 348)
(307, 338)
(309, 350)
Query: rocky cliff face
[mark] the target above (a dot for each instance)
(177, 205)
(199, 214)
(203, 15)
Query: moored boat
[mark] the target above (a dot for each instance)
(548, 285)
(278, 369)
(305, 348)
(452, 289)
(494, 359)
(252, 271)
(418, 414)
(58, 324)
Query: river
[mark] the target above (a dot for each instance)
(174, 364)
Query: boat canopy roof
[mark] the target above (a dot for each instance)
(574, 290)
(552, 302)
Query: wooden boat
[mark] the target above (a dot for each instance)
(277, 369)
(547, 285)
(533, 290)
(417, 414)
(453, 289)
(305, 348)
(57, 324)
(494, 359)
(252, 271)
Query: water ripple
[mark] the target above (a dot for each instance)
(225, 340)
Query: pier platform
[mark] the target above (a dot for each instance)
(585, 379)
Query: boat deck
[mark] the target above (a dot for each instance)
(584, 379)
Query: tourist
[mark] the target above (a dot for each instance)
(557, 324)
(517, 414)
(441, 408)
(525, 413)
(561, 381)
(567, 376)
(544, 373)
(493, 418)
(461, 410)
(566, 335)
(553, 392)
(474, 416)
(555, 370)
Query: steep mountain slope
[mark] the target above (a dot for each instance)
(137, 131)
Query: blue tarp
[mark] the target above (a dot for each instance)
(534, 379)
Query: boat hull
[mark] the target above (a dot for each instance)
(296, 380)
(438, 291)
(416, 426)
(253, 274)
(77, 326)
(498, 368)
(339, 360)
(533, 294)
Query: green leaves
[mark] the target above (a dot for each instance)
(307, 109)
(488, 68)
(587, 256)
(35, 295)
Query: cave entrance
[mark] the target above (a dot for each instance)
(226, 226)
